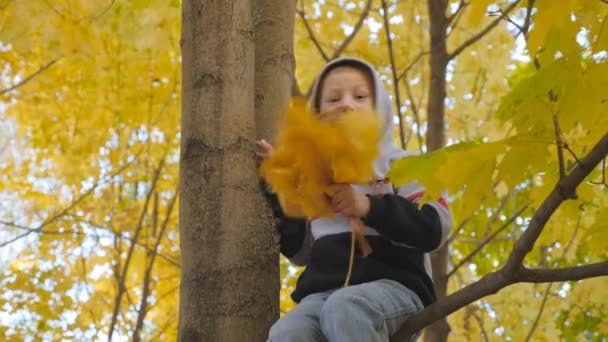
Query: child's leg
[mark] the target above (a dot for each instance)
(302, 323)
(369, 312)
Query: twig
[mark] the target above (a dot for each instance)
(482, 33)
(502, 15)
(391, 54)
(344, 43)
(73, 204)
(484, 333)
(121, 236)
(461, 6)
(603, 182)
(103, 12)
(354, 32)
(560, 151)
(548, 289)
(526, 28)
(311, 34)
(487, 240)
(122, 275)
(415, 111)
(413, 63)
(28, 78)
(147, 277)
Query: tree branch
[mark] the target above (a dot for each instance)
(148, 275)
(560, 148)
(413, 63)
(356, 29)
(548, 289)
(123, 275)
(482, 33)
(513, 271)
(486, 241)
(311, 34)
(545, 275)
(461, 6)
(344, 43)
(565, 189)
(28, 78)
(527, 20)
(391, 54)
(415, 111)
(68, 208)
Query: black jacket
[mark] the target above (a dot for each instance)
(406, 233)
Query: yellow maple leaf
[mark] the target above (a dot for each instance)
(312, 154)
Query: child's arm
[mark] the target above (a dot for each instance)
(295, 237)
(398, 217)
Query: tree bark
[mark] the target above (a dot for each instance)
(229, 281)
(439, 59)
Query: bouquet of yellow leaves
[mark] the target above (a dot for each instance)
(313, 153)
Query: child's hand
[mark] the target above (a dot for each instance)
(349, 202)
(263, 149)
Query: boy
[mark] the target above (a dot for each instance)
(394, 281)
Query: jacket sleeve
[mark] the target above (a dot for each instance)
(295, 236)
(399, 217)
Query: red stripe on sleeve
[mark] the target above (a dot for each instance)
(443, 202)
(415, 196)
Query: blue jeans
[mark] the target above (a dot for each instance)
(369, 312)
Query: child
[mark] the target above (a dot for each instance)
(394, 281)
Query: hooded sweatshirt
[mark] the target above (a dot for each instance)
(399, 232)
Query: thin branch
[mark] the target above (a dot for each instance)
(103, 12)
(354, 32)
(342, 46)
(72, 205)
(545, 275)
(484, 333)
(148, 274)
(415, 111)
(459, 228)
(391, 54)
(311, 34)
(121, 236)
(603, 182)
(477, 241)
(461, 6)
(494, 218)
(548, 289)
(28, 78)
(502, 15)
(487, 240)
(413, 63)
(526, 28)
(560, 149)
(123, 274)
(482, 33)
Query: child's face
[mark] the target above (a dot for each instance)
(346, 88)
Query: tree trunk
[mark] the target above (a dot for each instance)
(438, 331)
(229, 283)
(274, 62)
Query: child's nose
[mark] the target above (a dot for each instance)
(347, 103)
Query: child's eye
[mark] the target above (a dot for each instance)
(360, 97)
(334, 100)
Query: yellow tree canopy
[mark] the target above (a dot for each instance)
(89, 122)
